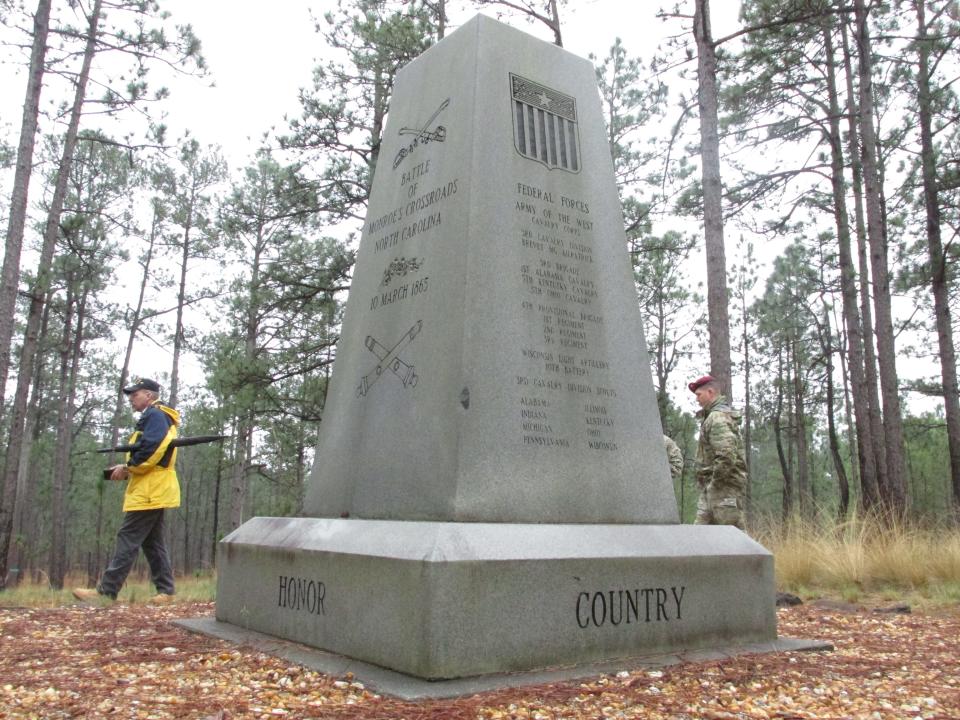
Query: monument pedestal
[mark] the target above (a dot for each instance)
(446, 600)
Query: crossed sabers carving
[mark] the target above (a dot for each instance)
(390, 359)
(423, 135)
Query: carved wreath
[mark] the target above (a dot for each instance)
(400, 266)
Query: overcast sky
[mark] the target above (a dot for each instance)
(260, 57)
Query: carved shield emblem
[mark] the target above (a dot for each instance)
(545, 124)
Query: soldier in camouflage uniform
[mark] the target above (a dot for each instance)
(674, 457)
(721, 467)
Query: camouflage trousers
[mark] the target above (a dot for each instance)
(722, 507)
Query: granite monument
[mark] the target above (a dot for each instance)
(490, 490)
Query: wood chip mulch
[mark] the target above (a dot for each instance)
(130, 661)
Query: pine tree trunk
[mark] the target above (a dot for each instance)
(188, 486)
(886, 350)
(804, 494)
(660, 366)
(238, 476)
(843, 485)
(717, 310)
(939, 287)
(72, 347)
(10, 275)
(246, 425)
(25, 513)
(747, 408)
(135, 321)
(853, 448)
(15, 441)
(869, 347)
(61, 464)
(301, 462)
(874, 422)
(178, 334)
(204, 558)
(555, 23)
(215, 525)
(94, 563)
(869, 491)
(787, 498)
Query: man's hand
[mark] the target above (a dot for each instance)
(119, 472)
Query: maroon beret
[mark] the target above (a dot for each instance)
(699, 382)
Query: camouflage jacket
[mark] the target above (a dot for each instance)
(720, 459)
(674, 457)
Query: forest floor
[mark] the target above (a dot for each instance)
(131, 661)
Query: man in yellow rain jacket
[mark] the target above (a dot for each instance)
(151, 488)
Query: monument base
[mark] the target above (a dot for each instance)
(446, 600)
(407, 687)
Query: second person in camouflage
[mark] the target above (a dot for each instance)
(674, 457)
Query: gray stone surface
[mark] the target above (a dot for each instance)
(492, 365)
(490, 492)
(445, 600)
(407, 687)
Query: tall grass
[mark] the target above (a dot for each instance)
(853, 560)
(865, 556)
(38, 593)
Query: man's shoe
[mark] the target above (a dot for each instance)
(161, 599)
(90, 595)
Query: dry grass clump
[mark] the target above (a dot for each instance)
(864, 554)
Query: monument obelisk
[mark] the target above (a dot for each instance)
(490, 490)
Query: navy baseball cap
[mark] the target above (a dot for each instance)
(142, 384)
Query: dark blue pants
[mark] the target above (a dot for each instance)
(140, 528)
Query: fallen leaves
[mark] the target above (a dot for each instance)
(131, 662)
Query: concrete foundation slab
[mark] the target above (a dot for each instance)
(406, 687)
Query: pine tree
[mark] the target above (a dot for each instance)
(337, 138)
